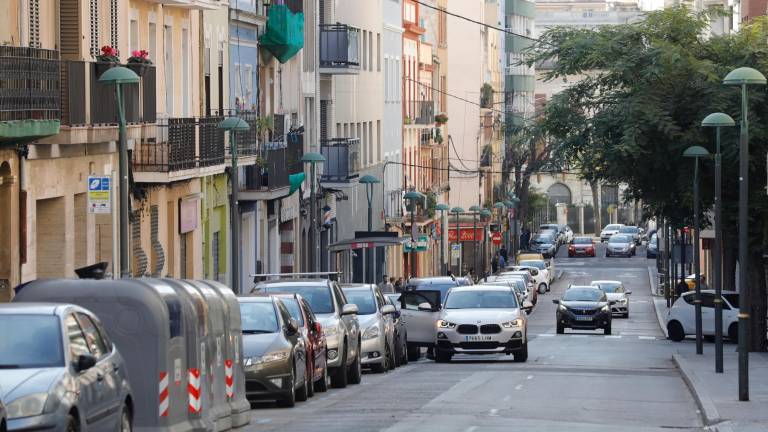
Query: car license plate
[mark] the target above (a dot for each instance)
(477, 338)
(583, 318)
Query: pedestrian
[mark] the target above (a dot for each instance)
(385, 286)
(503, 252)
(502, 262)
(525, 237)
(399, 285)
(495, 263)
(681, 288)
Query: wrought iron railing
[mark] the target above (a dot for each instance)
(181, 144)
(29, 84)
(211, 141)
(342, 158)
(425, 112)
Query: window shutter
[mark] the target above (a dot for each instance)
(113, 25)
(94, 23)
(70, 33)
(34, 23)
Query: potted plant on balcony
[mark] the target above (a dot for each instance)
(407, 120)
(109, 58)
(441, 119)
(139, 61)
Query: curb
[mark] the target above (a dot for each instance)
(708, 409)
(659, 315)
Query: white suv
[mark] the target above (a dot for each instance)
(681, 318)
(609, 230)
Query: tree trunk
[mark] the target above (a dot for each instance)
(596, 207)
(730, 255)
(756, 290)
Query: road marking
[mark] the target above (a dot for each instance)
(529, 377)
(546, 335)
(471, 429)
(263, 421)
(494, 413)
(578, 336)
(518, 387)
(647, 337)
(613, 336)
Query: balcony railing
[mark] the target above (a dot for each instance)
(279, 161)
(29, 84)
(247, 141)
(342, 159)
(181, 144)
(425, 112)
(339, 49)
(101, 107)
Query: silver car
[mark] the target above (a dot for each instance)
(483, 319)
(615, 292)
(375, 315)
(523, 293)
(401, 333)
(63, 373)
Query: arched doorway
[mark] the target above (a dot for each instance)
(556, 194)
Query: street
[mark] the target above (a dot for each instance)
(583, 381)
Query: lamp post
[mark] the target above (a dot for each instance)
(500, 206)
(457, 211)
(485, 214)
(442, 208)
(475, 211)
(118, 76)
(697, 152)
(718, 120)
(513, 202)
(232, 125)
(313, 159)
(412, 200)
(742, 77)
(369, 180)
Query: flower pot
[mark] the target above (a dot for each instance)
(102, 67)
(138, 68)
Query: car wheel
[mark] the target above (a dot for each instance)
(607, 329)
(302, 393)
(442, 356)
(356, 371)
(542, 288)
(414, 352)
(72, 424)
(521, 356)
(339, 376)
(733, 332)
(392, 358)
(321, 385)
(126, 423)
(675, 331)
(560, 329)
(289, 400)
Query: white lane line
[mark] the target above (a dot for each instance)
(546, 335)
(612, 336)
(529, 377)
(494, 413)
(519, 387)
(578, 336)
(264, 421)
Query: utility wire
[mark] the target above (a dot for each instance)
(476, 171)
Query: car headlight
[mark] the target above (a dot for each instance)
(371, 332)
(331, 330)
(562, 308)
(27, 406)
(623, 301)
(514, 323)
(266, 358)
(606, 308)
(445, 324)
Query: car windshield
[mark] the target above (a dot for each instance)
(543, 239)
(629, 230)
(481, 300)
(318, 296)
(363, 298)
(258, 317)
(442, 287)
(583, 294)
(612, 227)
(618, 239)
(582, 240)
(34, 342)
(534, 263)
(608, 287)
(293, 307)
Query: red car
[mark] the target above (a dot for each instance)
(314, 339)
(581, 246)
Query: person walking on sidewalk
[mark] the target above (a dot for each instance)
(502, 262)
(495, 263)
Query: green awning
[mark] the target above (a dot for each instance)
(295, 180)
(28, 130)
(285, 32)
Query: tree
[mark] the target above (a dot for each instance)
(649, 86)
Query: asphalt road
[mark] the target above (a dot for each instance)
(579, 381)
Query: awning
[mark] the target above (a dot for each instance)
(367, 243)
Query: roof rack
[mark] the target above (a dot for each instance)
(260, 277)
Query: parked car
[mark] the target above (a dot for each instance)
(528, 255)
(681, 317)
(545, 244)
(3, 418)
(518, 284)
(482, 320)
(632, 231)
(581, 246)
(338, 318)
(615, 292)
(583, 307)
(63, 372)
(401, 334)
(274, 352)
(314, 340)
(420, 319)
(652, 250)
(526, 276)
(540, 277)
(567, 234)
(555, 229)
(620, 245)
(546, 266)
(609, 230)
(374, 313)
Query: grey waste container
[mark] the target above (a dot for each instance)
(145, 319)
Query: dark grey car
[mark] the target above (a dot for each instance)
(60, 371)
(401, 334)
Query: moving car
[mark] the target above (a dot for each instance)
(609, 230)
(374, 313)
(652, 250)
(583, 308)
(401, 334)
(338, 318)
(274, 352)
(540, 277)
(620, 245)
(420, 303)
(545, 244)
(526, 276)
(581, 246)
(63, 373)
(314, 341)
(632, 231)
(546, 266)
(483, 319)
(615, 292)
(529, 255)
(681, 317)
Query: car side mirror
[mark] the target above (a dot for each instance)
(388, 309)
(318, 328)
(555, 301)
(292, 327)
(349, 309)
(85, 362)
(425, 307)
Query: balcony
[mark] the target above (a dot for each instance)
(248, 142)
(269, 179)
(339, 49)
(342, 159)
(425, 113)
(184, 148)
(29, 93)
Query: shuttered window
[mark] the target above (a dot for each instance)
(94, 23)
(113, 26)
(69, 21)
(34, 23)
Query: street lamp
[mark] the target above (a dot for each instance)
(457, 211)
(232, 125)
(513, 203)
(697, 152)
(412, 200)
(442, 208)
(369, 180)
(475, 211)
(118, 76)
(500, 206)
(313, 158)
(485, 214)
(743, 76)
(718, 120)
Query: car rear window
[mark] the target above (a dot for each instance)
(582, 240)
(30, 342)
(363, 298)
(318, 296)
(293, 308)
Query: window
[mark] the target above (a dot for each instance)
(34, 23)
(152, 44)
(77, 344)
(93, 13)
(378, 52)
(708, 300)
(185, 54)
(134, 35)
(365, 49)
(92, 336)
(113, 22)
(411, 300)
(442, 26)
(387, 78)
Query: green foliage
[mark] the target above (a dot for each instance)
(429, 210)
(486, 96)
